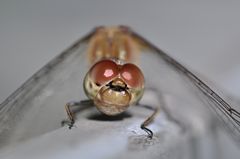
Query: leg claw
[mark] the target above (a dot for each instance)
(148, 131)
(69, 123)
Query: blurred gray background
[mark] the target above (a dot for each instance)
(203, 35)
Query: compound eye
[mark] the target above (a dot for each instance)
(103, 71)
(132, 75)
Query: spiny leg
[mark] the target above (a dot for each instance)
(72, 108)
(149, 119)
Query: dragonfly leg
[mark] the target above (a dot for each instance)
(149, 119)
(72, 108)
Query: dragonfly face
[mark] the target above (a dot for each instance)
(114, 86)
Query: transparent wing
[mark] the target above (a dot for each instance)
(37, 106)
(229, 116)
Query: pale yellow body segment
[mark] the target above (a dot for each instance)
(112, 42)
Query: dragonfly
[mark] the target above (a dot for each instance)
(115, 82)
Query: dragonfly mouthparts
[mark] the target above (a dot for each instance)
(117, 88)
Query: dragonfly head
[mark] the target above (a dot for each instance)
(114, 87)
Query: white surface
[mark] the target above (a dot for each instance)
(204, 35)
(95, 142)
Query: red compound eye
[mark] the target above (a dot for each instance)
(103, 71)
(132, 75)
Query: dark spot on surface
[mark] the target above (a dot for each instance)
(103, 117)
(142, 142)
